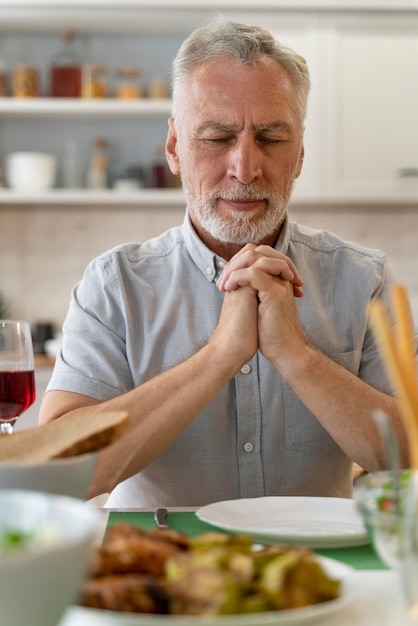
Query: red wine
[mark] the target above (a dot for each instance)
(17, 393)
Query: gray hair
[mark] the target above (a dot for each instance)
(243, 43)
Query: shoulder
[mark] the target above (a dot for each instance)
(132, 253)
(327, 243)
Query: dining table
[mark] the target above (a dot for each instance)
(379, 599)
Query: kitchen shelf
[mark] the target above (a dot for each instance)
(175, 198)
(111, 197)
(149, 107)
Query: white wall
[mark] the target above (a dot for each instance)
(43, 251)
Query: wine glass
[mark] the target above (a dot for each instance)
(17, 372)
(409, 546)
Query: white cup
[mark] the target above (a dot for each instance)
(30, 171)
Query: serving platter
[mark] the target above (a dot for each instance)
(308, 521)
(80, 616)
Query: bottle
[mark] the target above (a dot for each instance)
(71, 170)
(98, 166)
(65, 70)
(3, 79)
(159, 167)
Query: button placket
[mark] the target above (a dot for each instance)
(249, 430)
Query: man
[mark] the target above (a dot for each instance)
(238, 342)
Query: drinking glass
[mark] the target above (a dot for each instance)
(17, 372)
(409, 546)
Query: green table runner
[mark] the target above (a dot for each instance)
(359, 557)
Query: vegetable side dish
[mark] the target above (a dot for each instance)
(163, 571)
(14, 540)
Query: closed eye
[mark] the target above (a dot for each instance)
(270, 140)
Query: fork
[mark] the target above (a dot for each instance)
(160, 518)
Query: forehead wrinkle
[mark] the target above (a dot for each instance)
(224, 126)
(214, 125)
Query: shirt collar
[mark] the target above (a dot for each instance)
(207, 261)
(283, 240)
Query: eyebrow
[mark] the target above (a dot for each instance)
(224, 127)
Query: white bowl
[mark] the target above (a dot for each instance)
(71, 476)
(30, 171)
(38, 583)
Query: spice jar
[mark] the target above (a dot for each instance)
(159, 173)
(127, 86)
(94, 83)
(25, 81)
(157, 88)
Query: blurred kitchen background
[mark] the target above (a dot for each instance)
(108, 183)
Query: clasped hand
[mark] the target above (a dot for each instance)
(260, 286)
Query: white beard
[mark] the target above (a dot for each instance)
(239, 227)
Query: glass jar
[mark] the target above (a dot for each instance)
(157, 88)
(94, 81)
(25, 81)
(127, 85)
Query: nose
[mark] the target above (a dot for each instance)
(244, 160)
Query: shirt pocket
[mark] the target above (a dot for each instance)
(303, 432)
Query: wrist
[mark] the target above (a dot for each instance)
(297, 360)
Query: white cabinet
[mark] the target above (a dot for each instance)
(361, 139)
(372, 107)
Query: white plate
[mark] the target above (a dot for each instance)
(79, 616)
(308, 521)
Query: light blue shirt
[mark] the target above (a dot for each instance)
(143, 308)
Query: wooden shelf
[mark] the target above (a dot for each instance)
(147, 107)
(141, 198)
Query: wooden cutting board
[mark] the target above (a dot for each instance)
(70, 435)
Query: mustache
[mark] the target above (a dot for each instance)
(242, 192)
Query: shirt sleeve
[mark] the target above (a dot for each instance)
(93, 360)
(373, 368)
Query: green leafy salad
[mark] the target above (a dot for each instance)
(385, 501)
(14, 540)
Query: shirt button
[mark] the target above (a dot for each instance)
(209, 271)
(248, 446)
(246, 369)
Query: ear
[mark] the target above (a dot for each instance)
(171, 148)
(300, 161)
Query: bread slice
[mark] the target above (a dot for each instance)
(69, 435)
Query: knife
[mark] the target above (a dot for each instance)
(159, 517)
